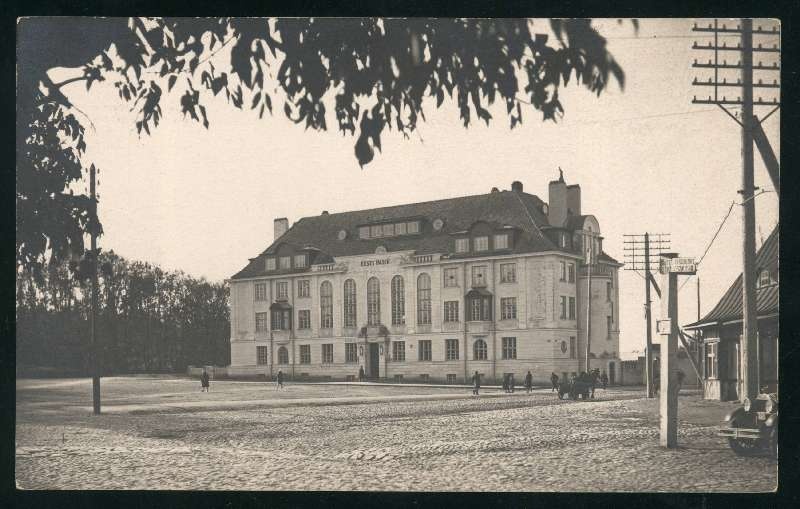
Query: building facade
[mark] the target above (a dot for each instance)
(494, 283)
(721, 330)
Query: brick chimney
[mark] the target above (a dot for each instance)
(557, 201)
(574, 199)
(281, 225)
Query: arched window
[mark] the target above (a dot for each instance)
(479, 350)
(398, 301)
(350, 303)
(283, 355)
(373, 301)
(326, 305)
(424, 299)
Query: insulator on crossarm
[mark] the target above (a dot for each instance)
(724, 27)
(695, 61)
(709, 80)
(709, 25)
(774, 46)
(724, 44)
(709, 98)
(759, 28)
(694, 81)
(774, 100)
(694, 26)
(759, 46)
(759, 82)
(724, 80)
(724, 62)
(774, 82)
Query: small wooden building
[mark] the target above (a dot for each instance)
(721, 330)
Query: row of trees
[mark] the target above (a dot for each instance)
(148, 319)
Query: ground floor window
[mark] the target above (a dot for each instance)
(451, 378)
(509, 348)
(327, 353)
(283, 355)
(350, 352)
(305, 354)
(573, 348)
(424, 346)
(261, 355)
(425, 377)
(398, 378)
(399, 351)
(451, 349)
(479, 350)
(712, 352)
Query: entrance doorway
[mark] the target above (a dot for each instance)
(374, 361)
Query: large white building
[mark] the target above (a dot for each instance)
(430, 291)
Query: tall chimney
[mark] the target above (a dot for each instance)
(574, 199)
(557, 205)
(281, 225)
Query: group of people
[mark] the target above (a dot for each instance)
(508, 383)
(593, 377)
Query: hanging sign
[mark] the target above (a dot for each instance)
(680, 265)
(664, 327)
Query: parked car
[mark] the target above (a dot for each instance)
(753, 427)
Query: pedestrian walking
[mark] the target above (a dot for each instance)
(680, 376)
(279, 380)
(554, 381)
(604, 379)
(593, 377)
(361, 375)
(528, 382)
(476, 383)
(505, 383)
(511, 383)
(204, 381)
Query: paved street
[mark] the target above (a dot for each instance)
(165, 434)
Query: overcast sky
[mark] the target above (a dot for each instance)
(646, 159)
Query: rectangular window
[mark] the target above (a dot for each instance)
(508, 272)
(571, 272)
(509, 348)
(305, 354)
(399, 228)
(412, 227)
(281, 319)
(425, 377)
(451, 378)
(563, 271)
(375, 231)
(480, 309)
(261, 291)
(327, 353)
(450, 277)
(270, 263)
(350, 352)
(399, 351)
(304, 288)
(388, 230)
(573, 348)
(261, 355)
(261, 322)
(451, 311)
(300, 261)
(398, 378)
(424, 348)
(479, 276)
(572, 308)
(711, 359)
(451, 349)
(282, 290)
(285, 262)
(462, 245)
(304, 319)
(508, 308)
(363, 232)
(481, 243)
(563, 307)
(501, 241)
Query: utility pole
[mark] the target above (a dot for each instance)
(637, 257)
(93, 315)
(751, 127)
(589, 261)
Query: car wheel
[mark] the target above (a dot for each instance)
(740, 446)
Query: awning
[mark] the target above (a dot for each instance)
(280, 306)
(478, 292)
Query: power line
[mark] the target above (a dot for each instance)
(727, 214)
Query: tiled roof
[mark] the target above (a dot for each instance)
(729, 306)
(499, 208)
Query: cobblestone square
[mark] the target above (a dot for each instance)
(162, 433)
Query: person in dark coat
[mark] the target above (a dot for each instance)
(279, 380)
(204, 381)
(511, 383)
(476, 383)
(593, 377)
(604, 379)
(361, 375)
(505, 383)
(554, 381)
(528, 382)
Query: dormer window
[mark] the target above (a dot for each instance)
(462, 245)
(562, 240)
(270, 263)
(764, 278)
(285, 262)
(501, 241)
(300, 261)
(378, 231)
(481, 243)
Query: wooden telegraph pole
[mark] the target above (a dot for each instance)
(648, 354)
(589, 262)
(751, 132)
(94, 357)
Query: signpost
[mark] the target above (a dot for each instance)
(670, 266)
